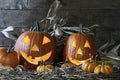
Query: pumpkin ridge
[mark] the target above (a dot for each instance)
(35, 49)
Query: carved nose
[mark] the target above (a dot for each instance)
(35, 48)
(79, 51)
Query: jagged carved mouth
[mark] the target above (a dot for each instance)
(36, 60)
(75, 61)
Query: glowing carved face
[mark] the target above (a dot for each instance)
(78, 48)
(36, 48)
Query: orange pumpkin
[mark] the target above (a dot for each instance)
(35, 48)
(42, 68)
(106, 69)
(89, 66)
(66, 65)
(78, 47)
(8, 57)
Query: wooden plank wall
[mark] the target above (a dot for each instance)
(22, 14)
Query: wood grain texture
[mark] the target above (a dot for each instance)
(20, 18)
(24, 4)
(106, 13)
(68, 4)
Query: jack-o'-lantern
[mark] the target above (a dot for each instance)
(78, 47)
(35, 48)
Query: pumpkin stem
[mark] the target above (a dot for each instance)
(36, 26)
(81, 28)
(66, 60)
(9, 48)
(90, 58)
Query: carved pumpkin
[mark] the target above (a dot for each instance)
(8, 57)
(78, 47)
(35, 48)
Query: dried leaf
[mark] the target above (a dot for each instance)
(12, 32)
(112, 54)
(62, 70)
(47, 22)
(8, 35)
(114, 51)
(10, 28)
(53, 9)
(106, 45)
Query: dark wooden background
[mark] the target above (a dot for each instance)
(106, 13)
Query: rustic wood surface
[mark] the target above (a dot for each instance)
(22, 13)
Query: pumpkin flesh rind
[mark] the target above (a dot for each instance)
(42, 68)
(89, 66)
(76, 43)
(97, 69)
(40, 47)
(9, 59)
(105, 69)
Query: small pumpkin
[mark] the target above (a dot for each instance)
(66, 65)
(78, 47)
(8, 57)
(104, 68)
(42, 68)
(35, 48)
(90, 65)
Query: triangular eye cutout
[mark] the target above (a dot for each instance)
(45, 40)
(73, 44)
(87, 44)
(35, 48)
(26, 40)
